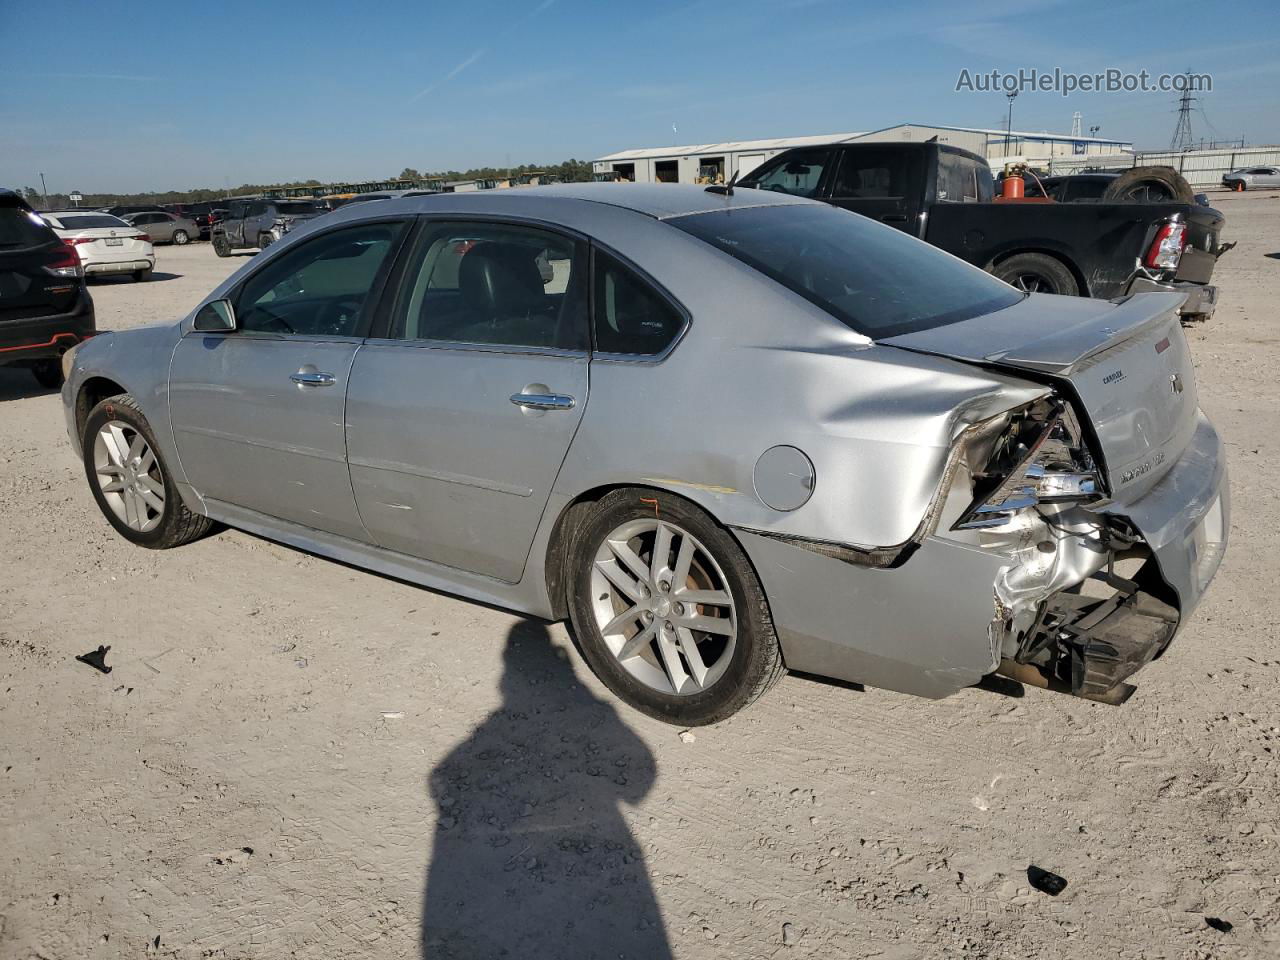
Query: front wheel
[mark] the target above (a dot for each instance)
(265, 240)
(1037, 273)
(180, 237)
(129, 479)
(667, 609)
(221, 245)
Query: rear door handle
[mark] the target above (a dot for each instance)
(309, 379)
(543, 401)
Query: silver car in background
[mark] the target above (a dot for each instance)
(726, 434)
(1252, 178)
(164, 227)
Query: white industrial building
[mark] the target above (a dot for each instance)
(708, 162)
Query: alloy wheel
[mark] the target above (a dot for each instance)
(663, 606)
(128, 475)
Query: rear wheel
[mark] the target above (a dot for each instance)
(1037, 273)
(180, 237)
(265, 240)
(667, 609)
(48, 373)
(130, 481)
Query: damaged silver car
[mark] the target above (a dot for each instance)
(724, 435)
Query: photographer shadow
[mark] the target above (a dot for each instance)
(532, 857)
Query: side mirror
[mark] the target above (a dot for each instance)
(216, 316)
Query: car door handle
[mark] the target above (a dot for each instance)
(308, 379)
(543, 401)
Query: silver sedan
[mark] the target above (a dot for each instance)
(1252, 178)
(164, 227)
(723, 434)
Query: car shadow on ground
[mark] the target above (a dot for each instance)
(17, 383)
(1272, 256)
(532, 856)
(124, 278)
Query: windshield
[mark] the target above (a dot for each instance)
(86, 221)
(798, 172)
(874, 278)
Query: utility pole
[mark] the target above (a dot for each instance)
(1182, 141)
(44, 192)
(1008, 130)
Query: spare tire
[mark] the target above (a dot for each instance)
(1150, 185)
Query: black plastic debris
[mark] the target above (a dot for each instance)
(96, 659)
(1222, 926)
(1045, 881)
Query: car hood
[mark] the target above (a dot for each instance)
(1126, 364)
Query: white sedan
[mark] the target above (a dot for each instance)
(105, 244)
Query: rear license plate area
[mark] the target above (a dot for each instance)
(115, 242)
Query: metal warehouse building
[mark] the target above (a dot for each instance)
(710, 162)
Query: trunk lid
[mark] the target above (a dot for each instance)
(1127, 364)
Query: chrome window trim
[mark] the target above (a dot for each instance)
(463, 346)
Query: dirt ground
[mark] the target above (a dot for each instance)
(293, 758)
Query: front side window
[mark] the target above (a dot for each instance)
(798, 173)
(631, 317)
(495, 284)
(877, 280)
(319, 288)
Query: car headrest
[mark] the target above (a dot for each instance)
(500, 279)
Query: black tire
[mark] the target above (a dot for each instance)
(181, 237)
(1150, 185)
(1037, 273)
(48, 373)
(755, 663)
(177, 524)
(141, 275)
(221, 246)
(265, 240)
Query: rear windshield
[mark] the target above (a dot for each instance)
(295, 208)
(19, 229)
(87, 221)
(874, 278)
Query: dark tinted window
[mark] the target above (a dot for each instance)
(797, 173)
(630, 316)
(871, 173)
(18, 228)
(495, 283)
(876, 279)
(318, 288)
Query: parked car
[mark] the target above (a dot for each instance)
(739, 433)
(105, 244)
(204, 214)
(260, 222)
(121, 210)
(943, 195)
(45, 309)
(1252, 178)
(165, 227)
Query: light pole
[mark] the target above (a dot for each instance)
(1008, 130)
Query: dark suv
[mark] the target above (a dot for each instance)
(45, 309)
(257, 222)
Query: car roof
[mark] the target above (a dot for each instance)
(658, 200)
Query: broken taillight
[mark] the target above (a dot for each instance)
(1166, 248)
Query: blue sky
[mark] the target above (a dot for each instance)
(128, 96)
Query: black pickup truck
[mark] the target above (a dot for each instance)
(944, 195)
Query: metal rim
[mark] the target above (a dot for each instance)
(1032, 283)
(180, 237)
(663, 606)
(128, 475)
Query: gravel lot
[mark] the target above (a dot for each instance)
(296, 758)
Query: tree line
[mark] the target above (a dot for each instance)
(570, 171)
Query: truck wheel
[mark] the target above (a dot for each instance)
(1150, 185)
(220, 245)
(1037, 273)
(48, 373)
(130, 481)
(265, 240)
(667, 609)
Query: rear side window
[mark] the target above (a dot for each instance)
(19, 229)
(957, 178)
(881, 174)
(798, 173)
(876, 279)
(631, 317)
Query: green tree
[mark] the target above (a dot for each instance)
(408, 173)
